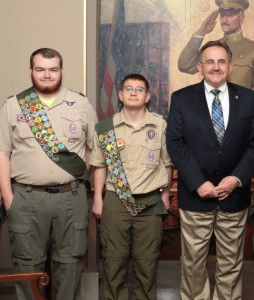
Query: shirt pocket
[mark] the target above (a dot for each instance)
(25, 131)
(72, 126)
(150, 154)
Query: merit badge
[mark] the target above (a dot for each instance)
(120, 144)
(72, 128)
(151, 156)
(41, 126)
(151, 134)
(21, 118)
(31, 123)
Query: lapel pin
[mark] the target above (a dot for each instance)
(236, 97)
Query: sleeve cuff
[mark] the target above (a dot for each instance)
(239, 181)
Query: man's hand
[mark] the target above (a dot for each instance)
(226, 187)
(97, 206)
(206, 190)
(7, 201)
(209, 23)
(165, 197)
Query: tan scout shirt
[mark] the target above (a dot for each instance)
(73, 120)
(144, 155)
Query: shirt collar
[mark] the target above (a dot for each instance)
(208, 87)
(120, 119)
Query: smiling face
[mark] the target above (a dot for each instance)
(46, 74)
(134, 94)
(215, 66)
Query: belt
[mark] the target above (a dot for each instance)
(58, 188)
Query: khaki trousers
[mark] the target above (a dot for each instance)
(196, 231)
(39, 221)
(122, 237)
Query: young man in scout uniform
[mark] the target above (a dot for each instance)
(130, 156)
(46, 137)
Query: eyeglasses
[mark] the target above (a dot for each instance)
(137, 89)
(211, 62)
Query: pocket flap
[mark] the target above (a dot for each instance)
(19, 228)
(80, 226)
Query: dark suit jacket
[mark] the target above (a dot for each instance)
(196, 153)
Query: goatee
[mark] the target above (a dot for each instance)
(47, 89)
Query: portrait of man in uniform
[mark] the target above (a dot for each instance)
(231, 16)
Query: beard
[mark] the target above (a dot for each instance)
(44, 89)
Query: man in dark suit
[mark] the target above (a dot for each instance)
(210, 138)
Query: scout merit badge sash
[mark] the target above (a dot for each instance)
(36, 117)
(108, 144)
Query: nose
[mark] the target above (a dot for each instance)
(133, 92)
(216, 65)
(47, 73)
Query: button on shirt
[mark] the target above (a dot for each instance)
(224, 99)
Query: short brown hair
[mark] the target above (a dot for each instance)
(47, 53)
(215, 44)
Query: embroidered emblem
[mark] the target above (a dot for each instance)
(151, 134)
(72, 128)
(120, 144)
(151, 156)
(21, 118)
(112, 157)
(35, 114)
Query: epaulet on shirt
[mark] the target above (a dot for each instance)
(81, 94)
(250, 41)
(157, 115)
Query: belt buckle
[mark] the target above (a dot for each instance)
(52, 189)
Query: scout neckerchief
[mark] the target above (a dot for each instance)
(108, 144)
(40, 125)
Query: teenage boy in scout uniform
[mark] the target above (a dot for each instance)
(46, 137)
(130, 156)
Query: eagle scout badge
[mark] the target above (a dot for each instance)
(151, 134)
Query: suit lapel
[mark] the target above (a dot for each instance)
(234, 99)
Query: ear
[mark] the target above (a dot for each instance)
(30, 70)
(148, 96)
(120, 95)
(199, 67)
(242, 17)
(230, 66)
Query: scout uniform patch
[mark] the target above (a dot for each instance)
(110, 147)
(37, 119)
